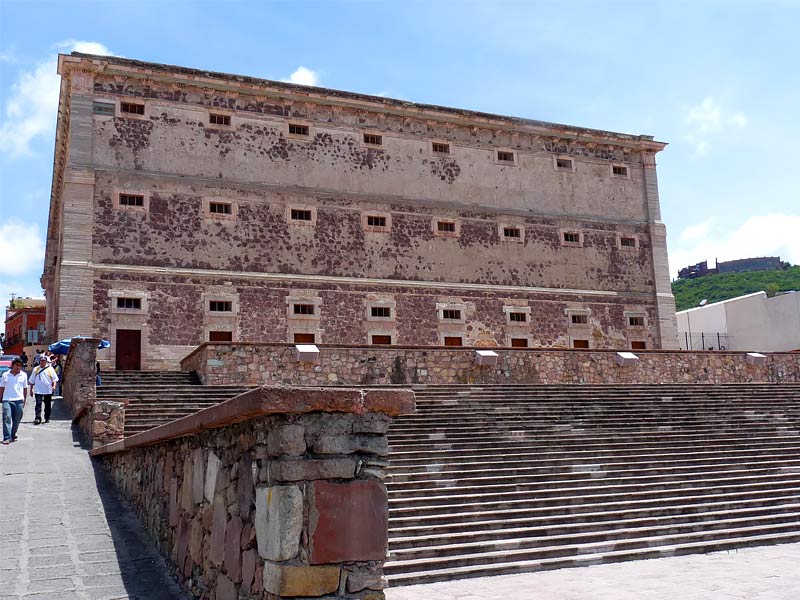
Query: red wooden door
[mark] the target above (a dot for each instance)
(129, 350)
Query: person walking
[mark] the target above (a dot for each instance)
(13, 393)
(58, 369)
(43, 384)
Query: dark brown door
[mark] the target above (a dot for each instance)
(129, 349)
(452, 340)
(304, 338)
(220, 336)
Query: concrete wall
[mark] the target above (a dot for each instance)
(269, 364)
(751, 322)
(277, 493)
(176, 253)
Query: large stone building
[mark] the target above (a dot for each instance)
(191, 206)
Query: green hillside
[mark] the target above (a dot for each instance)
(689, 292)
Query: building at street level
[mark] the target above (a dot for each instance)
(190, 206)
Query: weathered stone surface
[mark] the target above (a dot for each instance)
(359, 508)
(212, 469)
(348, 444)
(362, 580)
(226, 590)
(198, 472)
(174, 508)
(287, 440)
(300, 581)
(196, 542)
(245, 486)
(233, 551)
(248, 569)
(279, 521)
(217, 544)
(187, 494)
(310, 469)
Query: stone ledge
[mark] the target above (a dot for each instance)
(269, 401)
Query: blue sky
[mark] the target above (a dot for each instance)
(719, 81)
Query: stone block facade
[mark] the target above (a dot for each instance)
(275, 494)
(270, 364)
(193, 206)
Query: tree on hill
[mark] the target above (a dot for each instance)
(715, 288)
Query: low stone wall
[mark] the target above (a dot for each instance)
(269, 364)
(103, 421)
(274, 494)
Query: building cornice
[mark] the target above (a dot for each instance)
(357, 281)
(227, 83)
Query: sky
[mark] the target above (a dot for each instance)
(717, 80)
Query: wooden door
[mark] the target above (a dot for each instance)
(129, 349)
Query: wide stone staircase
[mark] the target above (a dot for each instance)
(158, 397)
(489, 480)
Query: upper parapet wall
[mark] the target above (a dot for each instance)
(264, 87)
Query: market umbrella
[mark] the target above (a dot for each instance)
(62, 346)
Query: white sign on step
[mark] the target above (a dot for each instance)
(755, 358)
(626, 359)
(485, 358)
(306, 353)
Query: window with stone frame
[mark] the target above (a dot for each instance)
(303, 309)
(220, 306)
(131, 108)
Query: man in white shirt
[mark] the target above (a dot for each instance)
(43, 383)
(13, 392)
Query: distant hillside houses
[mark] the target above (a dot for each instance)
(742, 265)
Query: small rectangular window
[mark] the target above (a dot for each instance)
(132, 108)
(512, 232)
(572, 237)
(564, 163)
(627, 242)
(580, 343)
(439, 148)
(373, 139)
(451, 314)
(131, 200)
(518, 317)
(519, 342)
(301, 214)
(103, 108)
(133, 303)
(304, 338)
(217, 119)
(220, 336)
(504, 156)
(446, 226)
(579, 319)
(638, 345)
(220, 208)
(376, 221)
(295, 129)
(636, 321)
(381, 311)
(382, 340)
(453, 340)
(619, 170)
(220, 306)
(304, 309)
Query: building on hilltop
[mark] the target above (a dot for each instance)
(750, 322)
(190, 206)
(742, 265)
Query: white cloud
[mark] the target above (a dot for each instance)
(303, 76)
(22, 248)
(85, 47)
(30, 112)
(763, 235)
(707, 120)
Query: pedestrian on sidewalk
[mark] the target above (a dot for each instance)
(13, 393)
(43, 384)
(58, 369)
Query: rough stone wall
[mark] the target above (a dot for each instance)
(279, 506)
(262, 364)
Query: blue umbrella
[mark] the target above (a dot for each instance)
(62, 346)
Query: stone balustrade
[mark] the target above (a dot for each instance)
(248, 363)
(276, 493)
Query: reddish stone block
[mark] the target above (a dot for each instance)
(244, 486)
(248, 569)
(258, 580)
(217, 549)
(348, 521)
(233, 551)
(173, 502)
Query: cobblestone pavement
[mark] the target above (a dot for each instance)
(768, 573)
(64, 533)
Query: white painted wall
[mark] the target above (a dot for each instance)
(751, 322)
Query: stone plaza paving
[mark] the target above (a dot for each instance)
(64, 533)
(767, 573)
